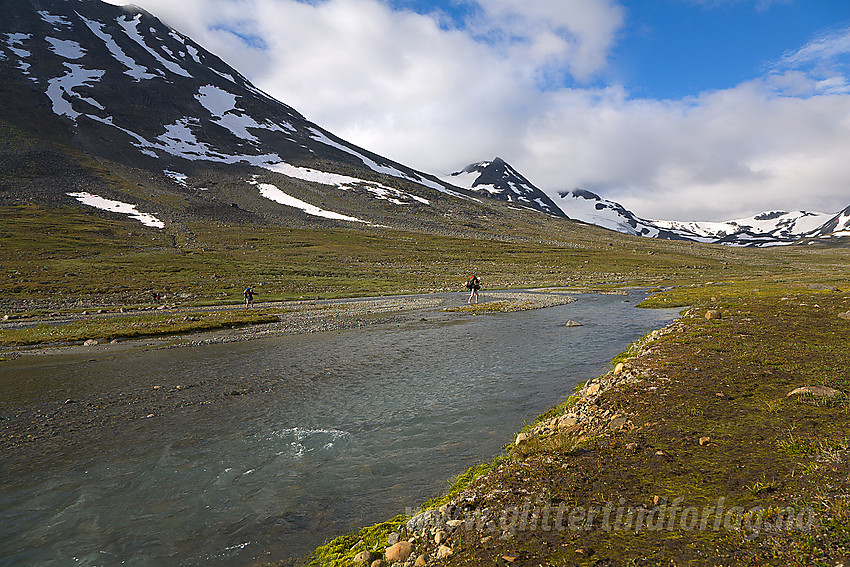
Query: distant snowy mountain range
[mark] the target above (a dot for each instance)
(133, 117)
(501, 181)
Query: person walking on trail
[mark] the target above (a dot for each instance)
(473, 285)
(249, 297)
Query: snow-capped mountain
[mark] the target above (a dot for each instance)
(498, 180)
(836, 227)
(117, 83)
(770, 228)
(766, 229)
(589, 207)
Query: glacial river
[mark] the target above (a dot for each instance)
(359, 426)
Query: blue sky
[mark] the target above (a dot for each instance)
(675, 49)
(678, 109)
(678, 48)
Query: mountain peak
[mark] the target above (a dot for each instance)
(498, 180)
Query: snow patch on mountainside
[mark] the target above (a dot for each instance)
(345, 182)
(15, 44)
(383, 169)
(177, 177)
(132, 31)
(272, 193)
(134, 69)
(222, 106)
(104, 204)
(55, 21)
(61, 89)
(66, 48)
(463, 179)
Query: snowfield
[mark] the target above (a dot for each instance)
(272, 193)
(345, 182)
(104, 204)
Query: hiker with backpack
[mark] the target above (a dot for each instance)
(473, 284)
(249, 297)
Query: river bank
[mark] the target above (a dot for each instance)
(722, 439)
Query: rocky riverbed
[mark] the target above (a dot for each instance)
(294, 317)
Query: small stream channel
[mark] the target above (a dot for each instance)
(359, 425)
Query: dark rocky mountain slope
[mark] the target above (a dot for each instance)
(109, 107)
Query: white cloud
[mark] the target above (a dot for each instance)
(819, 67)
(437, 97)
(575, 35)
(723, 155)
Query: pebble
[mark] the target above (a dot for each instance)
(444, 551)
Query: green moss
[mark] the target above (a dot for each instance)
(461, 482)
(340, 551)
(488, 307)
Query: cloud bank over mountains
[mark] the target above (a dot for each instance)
(439, 85)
